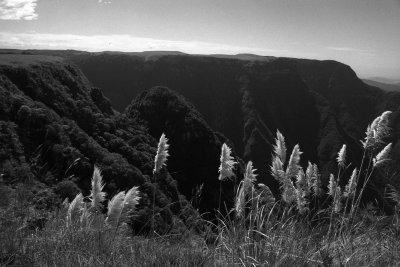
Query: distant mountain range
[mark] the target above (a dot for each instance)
(199, 102)
(387, 86)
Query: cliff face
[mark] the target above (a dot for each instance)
(318, 104)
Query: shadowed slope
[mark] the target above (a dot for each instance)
(54, 127)
(195, 149)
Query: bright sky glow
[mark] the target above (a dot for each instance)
(364, 34)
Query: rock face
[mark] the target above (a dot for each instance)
(318, 104)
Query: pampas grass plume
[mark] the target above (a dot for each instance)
(293, 165)
(249, 174)
(289, 191)
(377, 130)
(162, 154)
(302, 203)
(97, 196)
(383, 155)
(277, 168)
(245, 186)
(121, 205)
(131, 200)
(341, 158)
(240, 201)
(332, 185)
(227, 163)
(115, 207)
(301, 192)
(75, 207)
(301, 181)
(351, 185)
(313, 177)
(280, 146)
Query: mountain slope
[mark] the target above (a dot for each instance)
(54, 127)
(318, 104)
(195, 149)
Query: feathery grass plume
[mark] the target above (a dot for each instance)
(350, 188)
(301, 200)
(162, 154)
(131, 200)
(335, 192)
(288, 191)
(383, 128)
(245, 186)
(377, 130)
(97, 196)
(285, 178)
(315, 181)
(341, 158)
(369, 138)
(293, 166)
(240, 201)
(249, 174)
(280, 146)
(310, 176)
(75, 208)
(371, 133)
(382, 156)
(301, 192)
(301, 182)
(332, 186)
(277, 168)
(121, 205)
(115, 207)
(227, 163)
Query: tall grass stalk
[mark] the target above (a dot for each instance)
(159, 162)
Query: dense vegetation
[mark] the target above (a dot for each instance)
(54, 127)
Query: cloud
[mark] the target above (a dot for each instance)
(18, 9)
(124, 43)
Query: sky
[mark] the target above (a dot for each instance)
(364, 34)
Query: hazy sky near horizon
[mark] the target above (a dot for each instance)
(364, 34)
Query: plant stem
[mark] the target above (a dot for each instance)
(220, 192)
(154, 204)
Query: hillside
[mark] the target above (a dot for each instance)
(55, 126)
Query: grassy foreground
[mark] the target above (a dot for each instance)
(280, 241)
